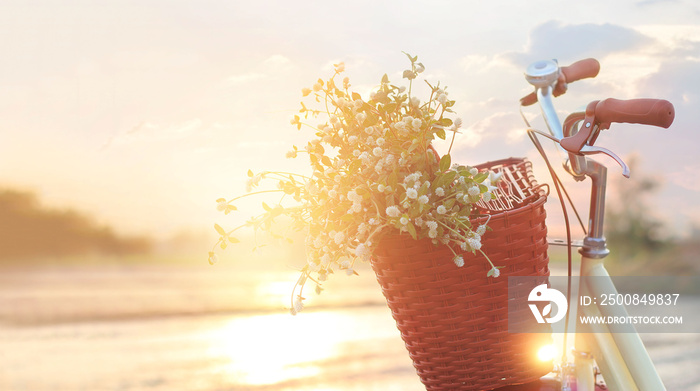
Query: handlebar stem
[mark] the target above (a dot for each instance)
(594, 245)
(544, 97)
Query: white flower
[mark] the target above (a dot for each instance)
(352, 139)
(213, 258)
(411, 193)
(339, 237)
(404, 220)
(473, 171)
(481, 230)
(334, 120)
(317, 87)
(378, 152)
(252, 182)
(393, 211)
(291, 154)
(486, 197)
(474, 191)
(373, 221)
(364, 156)
(362, 228)
(353, 196)
(459, 261)
(362, 251)
(441, 209)
(432, 225)
(221, 205)
(439, 192)
(495, 272)
(494, 177)
(298, 305)
(415, 102)
(475, 243)
(457, 123)
(358, 103)
(423, 199)
(332, 193)
(360, 117)
(349, 271)
(419, 68)
(432, 234)
(442, 98)
(341, 102)
(325, 260)
(416, 123)
(381, 188)
(389, 159)
(380, 141)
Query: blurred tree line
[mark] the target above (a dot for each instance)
(636, 235)
(30, 231)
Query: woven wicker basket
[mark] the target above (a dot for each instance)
(454, 321)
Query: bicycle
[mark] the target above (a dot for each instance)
(620, 357)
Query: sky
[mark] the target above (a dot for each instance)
(143, 113)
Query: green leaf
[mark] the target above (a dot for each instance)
(447, 178)
(446, 122)
(440, 133)
(220, 230)
(221, 200)
(410, 75)
(356, 96)
(393, 180)
(326, 160)
(385, 79)
(445, 163)
(250, 174)
(223, 245)
(354, 167)
(266, 207)
(412, 230)
(233, 240)
(481, 176)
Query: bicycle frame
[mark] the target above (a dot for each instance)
(621, 357)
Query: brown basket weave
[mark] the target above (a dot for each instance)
(454, 321)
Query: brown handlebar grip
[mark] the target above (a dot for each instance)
(529, 99)
(656, 112)
(581, 70)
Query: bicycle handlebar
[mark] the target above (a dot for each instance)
(579, 70)
(656, 112)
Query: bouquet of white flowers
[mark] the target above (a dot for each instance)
(374, 172)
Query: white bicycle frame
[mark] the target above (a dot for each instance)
(620, 356)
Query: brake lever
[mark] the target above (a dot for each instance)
(591, 150)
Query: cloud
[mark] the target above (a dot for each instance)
(572, 42)
(244, 78)
(149, 132)
(275, 64)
